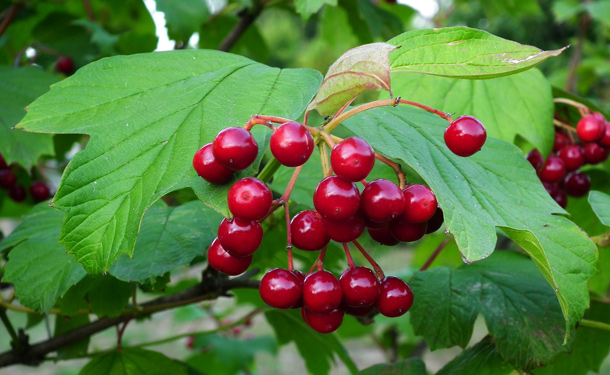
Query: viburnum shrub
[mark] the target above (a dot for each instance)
(418, 185)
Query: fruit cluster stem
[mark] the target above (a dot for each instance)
(326, 168)
(319, 262)
(434, 254)
(370, 259)
(564, 126)
(583, 109)
(350, 260)
(402, 179)
(288, 236)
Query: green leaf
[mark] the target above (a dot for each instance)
(306, 8)
(228, 356)
(144, 130)
(495, 188)
(521, 311)
(600, 203)
(169, 237)
(412, 366)
(131, 361)
(38, 265)
(318, 350)
(357, 70)
(563, 10)
(589, 349)
(599, 10)
(462, 52)
(481, 359)
(67, 324)
(183, 18)
(18, 88)
(109, 296)
(521, 104)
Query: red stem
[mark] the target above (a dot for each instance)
(443, 115)
(350, 261)
(319, 262)
(374, 264)
(9, 17)
(433, 256)
(288, 237)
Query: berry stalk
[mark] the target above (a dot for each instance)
(370, 259)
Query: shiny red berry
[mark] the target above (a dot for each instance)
(346, 230)
(208, 168)
(396, 297)
(420, 204)
(336, 198)
(220, 260)
(553, 170)
(280, 288)
(64, 64)
(465, 136)
(360, 287)
(240, 238)
(382, 200)
(436, 221)
(572, 156)
(561, 140)
(407, 232)
(535, 158)
(323, 322)
(7, 178)
(577, 184)
(591, 128)
(17, 193)
(291, 144)
(322, 292)
(39, 191)
(352, 159)
(605, 140)
(384, 236)
(595, 154)
(308, 232)
(235, 148)
(249, 199)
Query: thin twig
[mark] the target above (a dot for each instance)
(433, 256)
(245, 20)
(9, 17)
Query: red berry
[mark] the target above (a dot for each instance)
(336, 198)
(595, 154)
(240, 238)
(17, 193)
(382, 200)
(395, 298)
(3, 164)
(577, 184)
(436, 221)
(291, 144)
(208, 168)
(360, 287)
(561, 140)
(346, 230)
(535, 158)
(301, 276)
(352, 159)
(591, 128)
(322, 292)
(407, 232)
(420, 204)
(222, 261)
(235, 148)
(308, 231)
(249, 199)
(64, 64)
(465, 136)
(556, 193)
(280, 288)
(553, 170)
(39, 191)
(7, 178)
(605, 141)
(384, 236)
(572, 156)
(323, 322)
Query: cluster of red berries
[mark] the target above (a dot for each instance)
(390, 214)
(17, 192)
(560, 173)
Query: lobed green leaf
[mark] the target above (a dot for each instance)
(131, 361)
(481, 359)
(147, 115)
